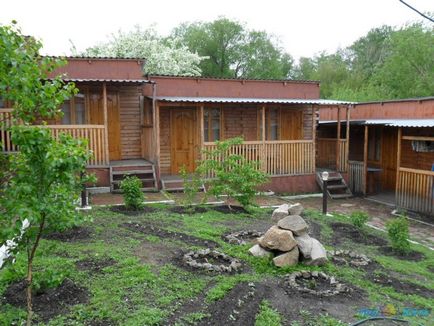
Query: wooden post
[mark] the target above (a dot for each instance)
(398, 163)
(262, 152)
(201, 131)
(105, 115)
(365, 161)
(347, 145)
(157, 140)
(314, 137)
(338, 142)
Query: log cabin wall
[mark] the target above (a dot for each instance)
(240, 121)
(165, 149)
(412, 159)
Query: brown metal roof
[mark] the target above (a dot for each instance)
(100, 80)
(237, 79)
(78, 57)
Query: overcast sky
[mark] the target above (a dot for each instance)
(305, 27)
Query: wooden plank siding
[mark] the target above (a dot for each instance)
(130, 124)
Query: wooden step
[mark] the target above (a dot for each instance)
(338, 186)
(127, 172)
(338, 196)
(143, 180)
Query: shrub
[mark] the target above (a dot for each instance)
(132, 193)
(192, 182)
(233, 175)
(359, 219)
(397, 230)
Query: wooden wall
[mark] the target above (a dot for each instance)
(130, 122)
(412, 159)
(165, 141)
(240, 121)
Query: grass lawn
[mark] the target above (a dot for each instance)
(126, 269)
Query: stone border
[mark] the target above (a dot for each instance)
(349, 257)
(335, 286)
(191, 257)
(236, 237)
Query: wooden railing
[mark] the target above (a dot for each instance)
(93, 133)
(415, 191)
(95, 140)
(6, 144)
(327, 154)
(355, 171)
(286, 157)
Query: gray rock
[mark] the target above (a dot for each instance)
(294, 223)
(280, 212)
(318, 254)
(278, 239)
(289, 258)
(304, 243)
(295, 209)
(258, 251)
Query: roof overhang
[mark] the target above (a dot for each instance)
(103, 80)
(415, 123)
(181, 99)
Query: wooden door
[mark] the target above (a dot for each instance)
(96, 116)
(291, 124)
(388, 158)
(183, 140)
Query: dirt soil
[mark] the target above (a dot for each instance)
(49, 303)
(123, 210)
(153, 230)
(94, 265)
(74, 234)
(240, 308)
(188, 210)
(411, 255)
(402, 286)
(225, 209)
(349, 232)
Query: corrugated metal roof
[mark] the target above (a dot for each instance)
(100, 80)
(80, 57)
(421, 123)
(402, 122)
(236, 79)
(414, 99)
(249, 100)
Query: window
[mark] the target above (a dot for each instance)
(374, 145)
(272, 124)
(211, 124)
(74, 110)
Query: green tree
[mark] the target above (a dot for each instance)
(163, 56)
(233, 51)
(24, 77)
(44, 178)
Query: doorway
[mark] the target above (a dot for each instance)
(183, 140)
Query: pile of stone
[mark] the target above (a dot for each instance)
(331, 287)
(288, 241)
(212, 261)
(348, 257)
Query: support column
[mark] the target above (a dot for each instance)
(313, 138)
(105, 115)
(263, 154)
(398, 163)
(365, 161)
(347, 145)
(338, 143)
(201, 132)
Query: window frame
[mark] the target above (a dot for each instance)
(208, 132)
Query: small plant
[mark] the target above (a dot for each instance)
(192, 183)
(133, 195)
(359, 219)
(267, 316)
(397, 230)
(234, 176)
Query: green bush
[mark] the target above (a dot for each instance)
(397, 230)
(133, 195)
(192, 183)
(233, 175)
(358, 219)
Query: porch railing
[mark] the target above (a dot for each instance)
(93, 133)
(327, 152)
(286, 157)
(356, 171)
(415, 190)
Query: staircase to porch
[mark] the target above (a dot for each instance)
(336, 185)
(175, 183)
(142, 169)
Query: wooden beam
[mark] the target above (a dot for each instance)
(420, 138)
(398, 158)
(338, 137)
(263, 154)
(105, 115)
(201, 131)
(157, 140)
(314, 136)
(365, 160)
(347, 145)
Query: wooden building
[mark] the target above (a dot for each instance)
(391, 150)
(153, 126)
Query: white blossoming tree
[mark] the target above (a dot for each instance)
(163, 56)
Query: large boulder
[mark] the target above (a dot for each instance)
(318, 254)
(305, 243)
(278, 239)
(258, 251)
(280, 212)
(289, 258)
(293, 223)
(295, 209)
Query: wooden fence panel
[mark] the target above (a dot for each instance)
(355, 170)
(415, 190)
(6, 144)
